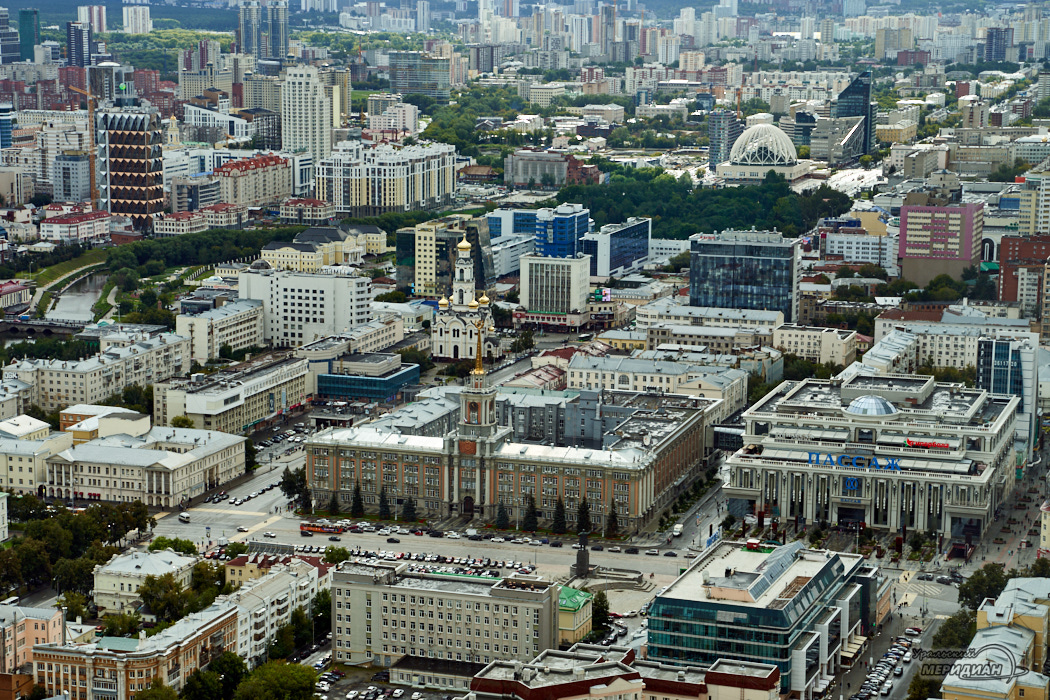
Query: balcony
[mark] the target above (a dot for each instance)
(105, 685)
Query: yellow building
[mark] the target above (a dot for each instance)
(904, 131)
(574, 615)
(624, 340)
(315, 248)
(1011, 636)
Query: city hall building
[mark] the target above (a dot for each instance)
(891, 452)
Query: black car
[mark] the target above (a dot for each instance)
(476, 538)
(334, 538)
(631, 550)
(393, 540)
(436, 533)
(556, 543)
(306, 533)
(597, 548)
(670, 553)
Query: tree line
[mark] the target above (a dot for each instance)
(678, 210)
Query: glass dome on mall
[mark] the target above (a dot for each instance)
(763, 144)
(871, 406)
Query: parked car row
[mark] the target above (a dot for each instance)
(880, 677)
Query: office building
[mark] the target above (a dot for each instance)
(78, 44)
(162, 467)
(855, 101)
(124, 359)
(94, 16)
(131, 163)
(997, 44)
(306, 112)
(1007, 365)
(556, 231)
(111, 665)
(369, 180)
(937, 240)
(237, 398)
(618, 249)
(723, 129)
(137, 19)
(805, 612)
(464, 316)
(673, 311)
(28, 32)
(117, 582)
(938, 458)
(300, 308)
(194, 193)
(427, 254)
(366, 377)
(745, 270)
(554, 292)
(546, 169)
(10, 48)
(276, 22)
(418, 73)
(522, 615)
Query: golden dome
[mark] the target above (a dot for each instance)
(463, 245)
(443, 303)
(473, 304)
(484, 299)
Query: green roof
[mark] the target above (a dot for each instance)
(572, 598)
(119, 643)
(989, 267)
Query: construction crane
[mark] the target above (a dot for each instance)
(91, 142)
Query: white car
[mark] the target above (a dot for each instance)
(384, 531)
(451, 536)
(417, 696)
(497, 539)
(398, 693)
(907, 657)
(351, 695)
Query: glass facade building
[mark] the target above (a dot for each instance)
(557, 231)
(855, 101)
(618, 249)
(723, 129)
(1007, 365)
(348, 387)
(418, 73)
(786, 606)
(745, 270)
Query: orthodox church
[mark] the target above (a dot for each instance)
(462, 317)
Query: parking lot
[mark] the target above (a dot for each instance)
(354, 683)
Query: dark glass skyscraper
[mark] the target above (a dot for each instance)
(78, 44)
(28, 33)
(744, 270)
(997, 42)
(855, 101)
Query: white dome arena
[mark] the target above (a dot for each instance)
(763, 144)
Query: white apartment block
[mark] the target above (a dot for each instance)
(507, 251)
(137, 19)
(265, 179)
(238, 324)
(124, 360)
(162, 467)
(401, 118)
(817, 344)
(226, 124)
(234, 400)
(864, 248)
(179, 223)
(300, 308)
(117, 582)
(266, 603)
(382, 612)
(306, 112)
(671, 311)
(364, 180)
(89, 227)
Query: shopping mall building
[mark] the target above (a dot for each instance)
(894, 452)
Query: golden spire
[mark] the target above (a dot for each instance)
(479, 368)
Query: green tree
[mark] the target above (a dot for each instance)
(583, 516)
(384, 505)
(922, 687)
(357, 503)
(164, 596)
(335, 555)
(502, 518)
(612, 527)
(333, 504)
(530, 522)
(321, 609)
(236, 549)
(1040, 568)
(277, 681)
(122, 624)
(75, 574)
(803, 151)
(34, 562)
(75, 604)
(182, 546)
(231, 669)
(182, 421)
(987, 582)
(600, 610)
(294, 486)
(957, 631)
(283, 643)
(558, 526)
(408, 510)
(301, 627)
(157, 691)
(202, 685)
(39, 692)
(393, 297)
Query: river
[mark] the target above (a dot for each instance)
(75, 304)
